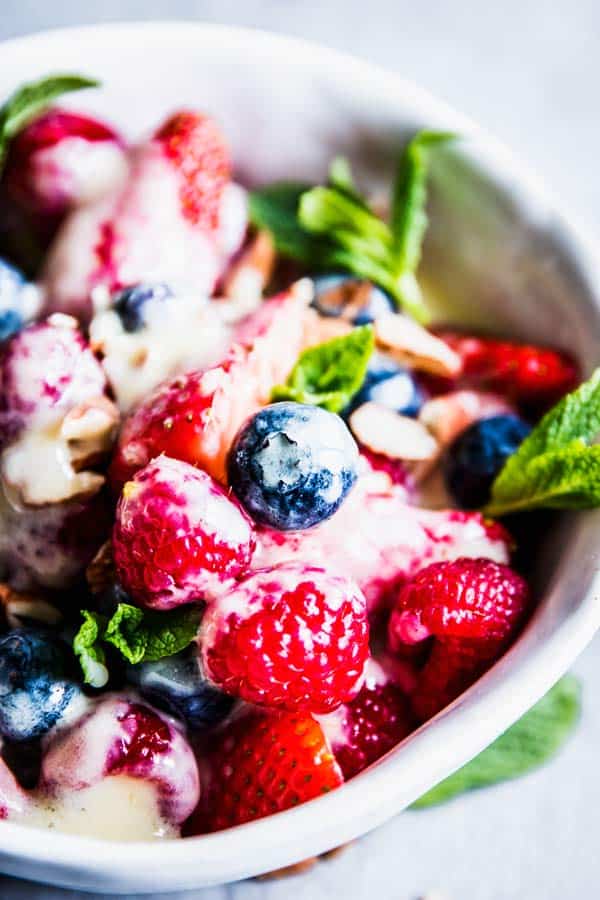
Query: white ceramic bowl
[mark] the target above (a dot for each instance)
(503, 254)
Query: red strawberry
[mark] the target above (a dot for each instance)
(264, 763)
(61, 159)
(195, 146)
(533, 377)
(379, 717)
(294, 636)
(177, 536)
(472, 608)
(177, 220)
(194, 417)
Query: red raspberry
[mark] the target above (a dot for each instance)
(194, 417)
(533, 377)
(196, 147)
(472, 609)
(364, 730)
(262, 764)
(395, 468)
(177, 536)
(294, 636)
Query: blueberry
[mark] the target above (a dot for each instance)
(12, 283)
(390, 385)
(34, 688)
(177, 685)
(354, 299)
(292, 465)
(476, 456)
(130, 303)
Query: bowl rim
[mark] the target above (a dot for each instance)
(374, 796)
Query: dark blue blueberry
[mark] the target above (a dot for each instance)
(12, 283)
(350, 298)
(177, 684)
(34, 688)
(475, 457)
(390, 385)
(131, 301)
(292, 465)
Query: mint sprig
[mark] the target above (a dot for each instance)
(532, 741)
(31, 99)
(332, 226)
(329, 374)
(556, 466)
(139, 635)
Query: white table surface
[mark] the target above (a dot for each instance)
(529, 71)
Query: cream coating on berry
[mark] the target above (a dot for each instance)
(180, 333)
(377, 539)
(122, 736)
(294, 636)
(178, 537)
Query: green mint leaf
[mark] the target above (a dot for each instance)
(329, 374)
(145, 636)
(341, 178)
(532, 741)
(409, 217)
(555, 466)
(275, 209)
(88, 649)
(31, 99)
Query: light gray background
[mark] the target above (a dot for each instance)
(529, 70)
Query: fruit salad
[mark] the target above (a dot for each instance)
(255, 519)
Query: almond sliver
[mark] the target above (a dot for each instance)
(398, 437)
(414, 346)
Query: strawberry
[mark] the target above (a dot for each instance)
(472, 609)
(194, 145)
(178, 537)
(177, 219)
(264, 763)
(294, 637)
(194, 417)
(532, 377)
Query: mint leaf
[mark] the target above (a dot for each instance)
(145, 636)
(140, 635)
(88, 649)
(275, 209)
(409, 217)
(332, 227)
(31, 99)
(555, 466)
(532, 741)
(329, 374)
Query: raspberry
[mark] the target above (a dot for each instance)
(177, 536)
(472, 609)
(121, 737)
(395, 468)
(364, 730)
(194, 417)
(195, 146)
(294, 636)
(533, 377)
(264, 763)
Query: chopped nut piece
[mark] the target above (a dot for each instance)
(449, 414)
(303, 866)
(399, 437)
(101, 574)
(18, 606)
(414, 346)
(251, 272)
(319, 329)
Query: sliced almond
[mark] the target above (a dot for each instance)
(252, 270)
(399, 437)
(449, 414)
(318, 329)
(18, 606)
(101, 573)
(414, 346)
